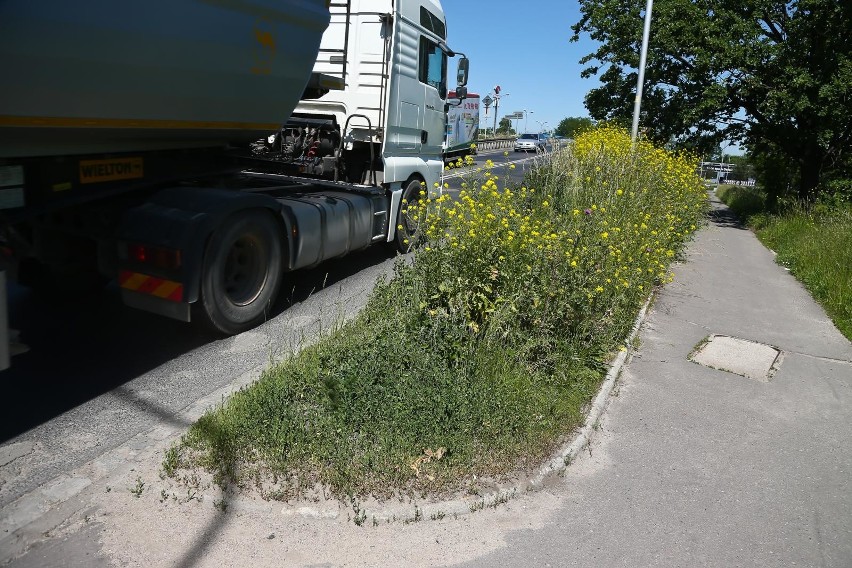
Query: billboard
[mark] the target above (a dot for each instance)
(462, 123)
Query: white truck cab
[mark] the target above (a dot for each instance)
(393, 55)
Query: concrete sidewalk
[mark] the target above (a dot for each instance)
(702, 467)
(692, 465)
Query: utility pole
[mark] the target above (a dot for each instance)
(487, 102)
(643, 57)
(497, 97)
(496, 105)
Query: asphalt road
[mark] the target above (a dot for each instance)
(98, 373)
(501, 158)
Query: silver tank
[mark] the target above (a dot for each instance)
(105, 76)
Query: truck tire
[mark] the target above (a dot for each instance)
(406, 237)
(241, 273)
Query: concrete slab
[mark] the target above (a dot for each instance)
(742, 357)
(11, 452)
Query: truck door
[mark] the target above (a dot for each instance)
(433, 78)
(405, 107)
(416, 120)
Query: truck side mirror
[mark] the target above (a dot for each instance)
(461, 76)
(461, 93)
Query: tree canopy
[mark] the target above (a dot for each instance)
(573, 125)
(505, 126)
(774, 75)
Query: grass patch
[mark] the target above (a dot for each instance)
(814, 242)
(479, 356)
(817, 248)
(745, 201)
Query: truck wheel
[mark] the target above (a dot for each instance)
(241, 274)
(407, 236)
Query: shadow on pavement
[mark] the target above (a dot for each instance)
(195, 551)
(723, 217)
(82, 348)
(83, 549)
(79, 350)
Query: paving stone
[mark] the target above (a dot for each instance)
(739, 356)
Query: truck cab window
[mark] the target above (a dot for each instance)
(433, 23)
(433, 66)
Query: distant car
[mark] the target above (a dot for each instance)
(530, 142)
(558, 141)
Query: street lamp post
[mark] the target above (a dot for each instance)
(527, 114)
(642, 59)
(496, 106)
(497, 97)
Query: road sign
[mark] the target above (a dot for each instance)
(487, 101)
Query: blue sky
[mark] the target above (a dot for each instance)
(524, 48)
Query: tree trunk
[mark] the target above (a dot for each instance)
(809, 175)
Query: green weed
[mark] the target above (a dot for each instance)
(139, 488)
(745, 201)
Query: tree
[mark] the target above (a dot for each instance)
(775, 75)
(716, 153)
(505, 126)
(573, 125)
(743, 169)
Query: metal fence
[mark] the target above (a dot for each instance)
(495, 143)
(509, 142)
